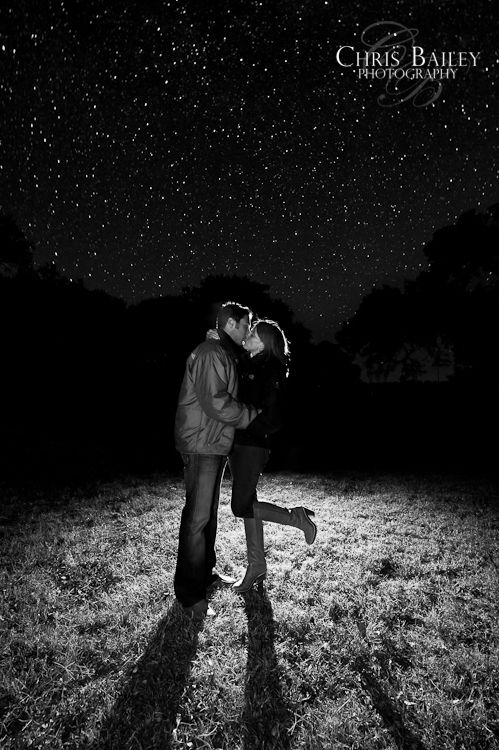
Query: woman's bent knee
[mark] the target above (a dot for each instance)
(240, 512)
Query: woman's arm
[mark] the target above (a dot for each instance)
(270, 419)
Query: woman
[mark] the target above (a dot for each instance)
(261, 381)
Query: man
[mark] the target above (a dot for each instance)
(207, 415)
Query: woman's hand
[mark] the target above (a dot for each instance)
(212, 333)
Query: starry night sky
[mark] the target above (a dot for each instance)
(147, 145)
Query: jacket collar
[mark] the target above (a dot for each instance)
(227, 343)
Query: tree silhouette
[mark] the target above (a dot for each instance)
(16, 252)
(446, 315)
(205, 300)
(377, 332)
(214, 290)
(464, 267)
(466, 256)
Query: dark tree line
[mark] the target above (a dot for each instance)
(90, 383)
(444, 319)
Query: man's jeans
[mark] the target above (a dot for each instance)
(198, 526)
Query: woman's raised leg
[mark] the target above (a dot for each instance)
(300, 518)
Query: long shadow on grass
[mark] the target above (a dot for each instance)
(266, 718)
(144, 715)
(388, 708)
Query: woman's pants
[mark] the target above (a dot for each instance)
(247, 463)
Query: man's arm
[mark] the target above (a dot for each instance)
(210, 384)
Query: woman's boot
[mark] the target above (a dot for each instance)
(300, 518)
(257, 567)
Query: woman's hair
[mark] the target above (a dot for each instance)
(274, 340)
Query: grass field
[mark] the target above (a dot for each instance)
(383, 634)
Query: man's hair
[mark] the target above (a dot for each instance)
(232, 310)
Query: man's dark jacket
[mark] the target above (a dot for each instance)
(208, 411)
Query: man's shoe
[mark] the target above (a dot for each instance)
(219, 579)
(198, 611)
